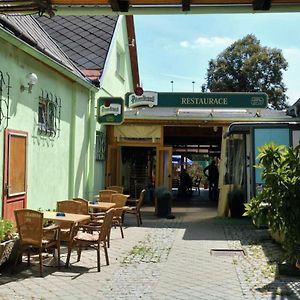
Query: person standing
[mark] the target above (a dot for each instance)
(212, 174)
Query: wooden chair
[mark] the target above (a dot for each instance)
(67, 206)
(94, 237)
(120, 201)
(116, 188)
(105, 195)
(84, 205)
(135, 207)
(33, 236)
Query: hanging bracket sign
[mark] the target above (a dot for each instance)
(110, 110)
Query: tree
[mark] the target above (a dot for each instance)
(246, 66)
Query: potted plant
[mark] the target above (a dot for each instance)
(7, 239)
(278, 204)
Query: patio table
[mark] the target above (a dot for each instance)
(102, 206)
(74, 219)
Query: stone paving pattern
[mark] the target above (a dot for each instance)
(165, 259)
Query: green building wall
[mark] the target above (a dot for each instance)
(57, 167)
(113, 85)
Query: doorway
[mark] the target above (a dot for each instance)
(194, 147)
(15, 172)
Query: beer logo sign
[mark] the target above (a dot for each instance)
(112, 109)
(257, 101)
(149, 99)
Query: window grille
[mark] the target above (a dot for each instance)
(100, 146)
(4, 98)
(49, 114)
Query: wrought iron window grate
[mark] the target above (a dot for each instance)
(4, 98)
(100, 146)
(49, 114)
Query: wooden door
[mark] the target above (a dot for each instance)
(164, 167)
(15, 172)
(113, 166)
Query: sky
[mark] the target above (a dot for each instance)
(178, 47)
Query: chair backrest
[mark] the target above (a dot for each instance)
(105, 195)
(30, 226)
(69, 206)
(119, 199)
(106, 225)
(141, 199)
(116, 188)
(84, 209)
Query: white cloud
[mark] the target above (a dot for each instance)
(201, 41)
(185, 44)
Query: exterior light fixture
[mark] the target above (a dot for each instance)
(31, 79)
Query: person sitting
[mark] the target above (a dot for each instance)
(185, 183)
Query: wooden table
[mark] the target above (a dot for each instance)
(103, 206)
(74, 219)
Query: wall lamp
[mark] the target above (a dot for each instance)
(32, 79)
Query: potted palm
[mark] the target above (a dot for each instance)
(7, 239)
(278, 204)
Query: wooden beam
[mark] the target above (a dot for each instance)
(261, 4)
(119, 5)
(186, 5)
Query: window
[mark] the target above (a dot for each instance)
(100, 146)
(120, 67)
(49, 114)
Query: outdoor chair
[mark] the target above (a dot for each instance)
(67, 206)
(116, 188)
(34, 237)
(105, 195)
(120, 201)
(92, 236)
(84, 205)
(135, 207)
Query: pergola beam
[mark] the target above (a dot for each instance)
(186, 5)
(261, 4)
(119, 5)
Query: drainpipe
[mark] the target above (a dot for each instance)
(91, 159)
(72, 142)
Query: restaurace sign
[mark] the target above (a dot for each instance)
(198, 100)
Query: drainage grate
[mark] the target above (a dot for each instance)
(227, 252)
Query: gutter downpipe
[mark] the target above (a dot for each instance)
(200, 9)
(72, 143)
(91, 159)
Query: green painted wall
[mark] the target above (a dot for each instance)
(58, 167)
(113, 85)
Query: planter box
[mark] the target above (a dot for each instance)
(6, 249)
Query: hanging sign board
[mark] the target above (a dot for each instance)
(110, 110)
(198, 100)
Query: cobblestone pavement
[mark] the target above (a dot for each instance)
(165, 259)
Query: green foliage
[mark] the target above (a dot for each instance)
(6, 230)
(246, 66)
(278, 204)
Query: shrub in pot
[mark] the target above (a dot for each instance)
(278, 204)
